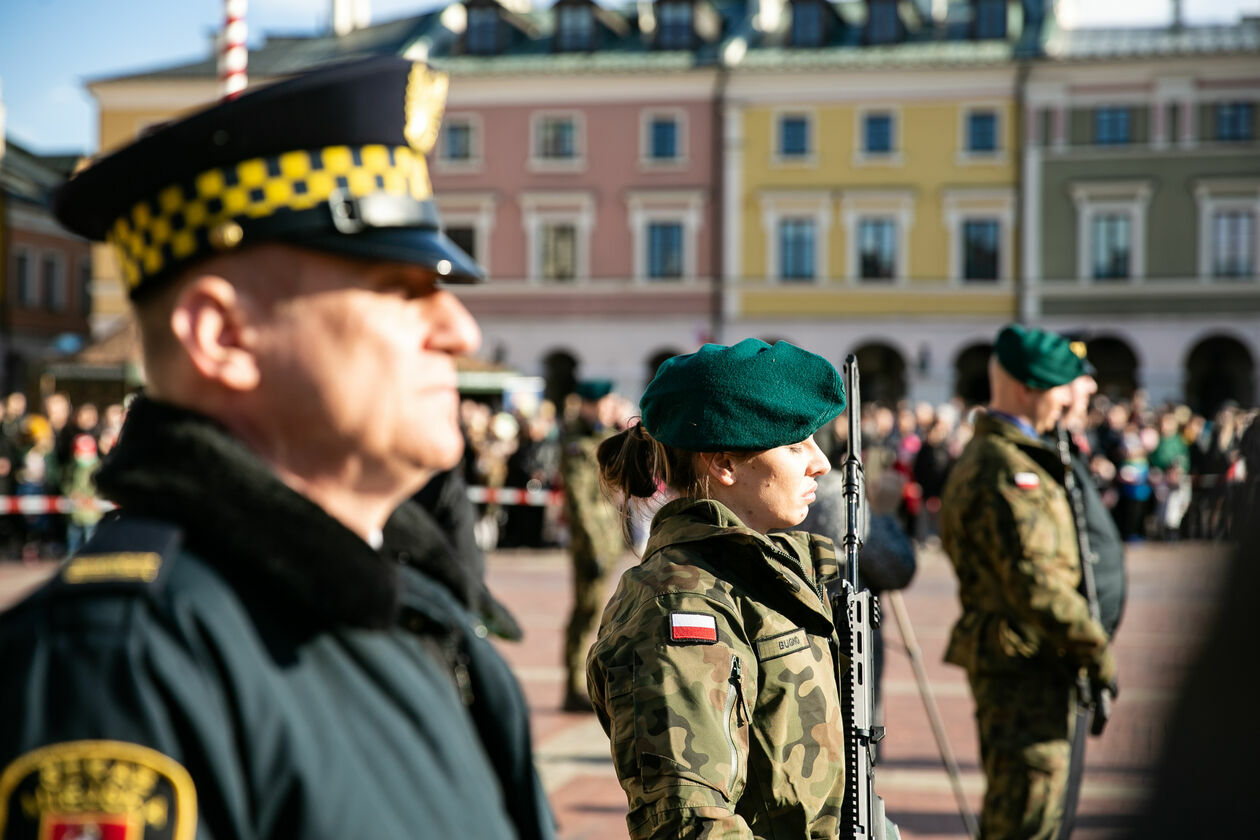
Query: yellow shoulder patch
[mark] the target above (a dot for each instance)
(106, 790)
(106, 568)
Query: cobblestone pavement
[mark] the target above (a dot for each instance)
(1171, 592)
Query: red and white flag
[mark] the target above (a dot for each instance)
(692, 627)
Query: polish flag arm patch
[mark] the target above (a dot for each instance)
(692, 628)
(1027, 481)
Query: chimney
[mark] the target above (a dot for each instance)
(1177, 21)
(349, 15)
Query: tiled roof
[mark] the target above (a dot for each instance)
(1083, 44)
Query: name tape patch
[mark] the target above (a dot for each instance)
(782, 645)
(1027, 481)
(692, 628)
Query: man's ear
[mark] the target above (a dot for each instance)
(211, 323)
(720, 467)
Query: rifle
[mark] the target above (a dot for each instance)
(858, 609)
(1100, 705)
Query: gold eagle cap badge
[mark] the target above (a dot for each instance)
(426, 99)
(1078, 347)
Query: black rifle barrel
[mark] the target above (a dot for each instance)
(854, 479)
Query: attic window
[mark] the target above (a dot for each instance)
(882, 25)
(674, 20)
(807, 23)
(482, 37)
(575, 28)
(990, 19)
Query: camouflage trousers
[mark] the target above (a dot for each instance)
(590, 577)
(1025, 723)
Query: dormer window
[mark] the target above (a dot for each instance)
(482, 37)
(674, 26)
(575, 28)
(883, 26)
(808, 26)
(990, 19)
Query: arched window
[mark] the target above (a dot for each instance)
(883, 372)
(971, 374)
(1219, 368)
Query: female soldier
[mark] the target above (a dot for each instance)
(715, 670)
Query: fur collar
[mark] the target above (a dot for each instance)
(182, 467)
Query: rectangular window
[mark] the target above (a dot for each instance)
(877, 249)
(1234, 121)
(796, 249)
(883, 26)
(674, 22)
(980, 249)
(24, 280)
(1111, 126)
(807, 23)
(1233, 243)
(465, 237)
(85, 286)
(54, 283)
(665, 250)
(457, 140)
(793, 136)
(1111, 246)
(482, 37)
(990, 19)
(663, 139)
(559, 252)
(575, 28)
(877, 134)
(557, 138)
(982, 131)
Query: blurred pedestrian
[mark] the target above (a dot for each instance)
(270, 640)
(596, 538)
(1025, 632)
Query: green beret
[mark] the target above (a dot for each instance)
(593, 389)
(749, 396)
(1038, 358)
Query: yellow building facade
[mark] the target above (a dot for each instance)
(874, 205)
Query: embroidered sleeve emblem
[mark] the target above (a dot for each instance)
(1027, 481)
(103, 790)
(692, 628)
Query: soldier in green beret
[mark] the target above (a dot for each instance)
(595, 534)
(715, 673)
(1025, 634)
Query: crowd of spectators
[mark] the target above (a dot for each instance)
(52, 450)
(1165, 471)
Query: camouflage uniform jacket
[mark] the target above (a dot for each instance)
(1007, 526)
(594, 525)
(739, 734)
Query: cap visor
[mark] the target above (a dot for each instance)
(425, 247)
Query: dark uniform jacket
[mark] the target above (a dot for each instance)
(715, 676)
(225, 660)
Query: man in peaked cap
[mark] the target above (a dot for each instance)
(1025, 635)
(268, 641)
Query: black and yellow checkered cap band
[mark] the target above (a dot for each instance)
(261, 198)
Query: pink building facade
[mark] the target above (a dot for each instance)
(590, 202)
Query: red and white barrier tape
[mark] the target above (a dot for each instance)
(36, 505)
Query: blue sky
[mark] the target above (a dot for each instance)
(49, 47)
